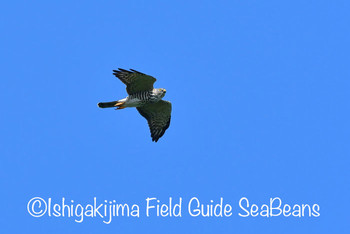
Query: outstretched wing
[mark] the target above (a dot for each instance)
(135, 81)
(158, 116)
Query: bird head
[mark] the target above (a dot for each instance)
(161, 92)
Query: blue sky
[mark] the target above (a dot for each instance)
(260, 93)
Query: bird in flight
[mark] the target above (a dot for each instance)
(147, 100)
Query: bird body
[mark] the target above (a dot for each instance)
(145, 98)
(136, 100)
(141, 98)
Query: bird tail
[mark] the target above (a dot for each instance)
(110, 104)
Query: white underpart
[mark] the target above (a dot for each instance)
(134, 102)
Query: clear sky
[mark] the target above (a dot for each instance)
(260, 94)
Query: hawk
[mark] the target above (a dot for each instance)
(147, 100)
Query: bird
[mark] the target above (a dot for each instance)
(147, 100)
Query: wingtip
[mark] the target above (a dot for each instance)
(124, 70)
(121, 69)
(136, 71)
(155, 139)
